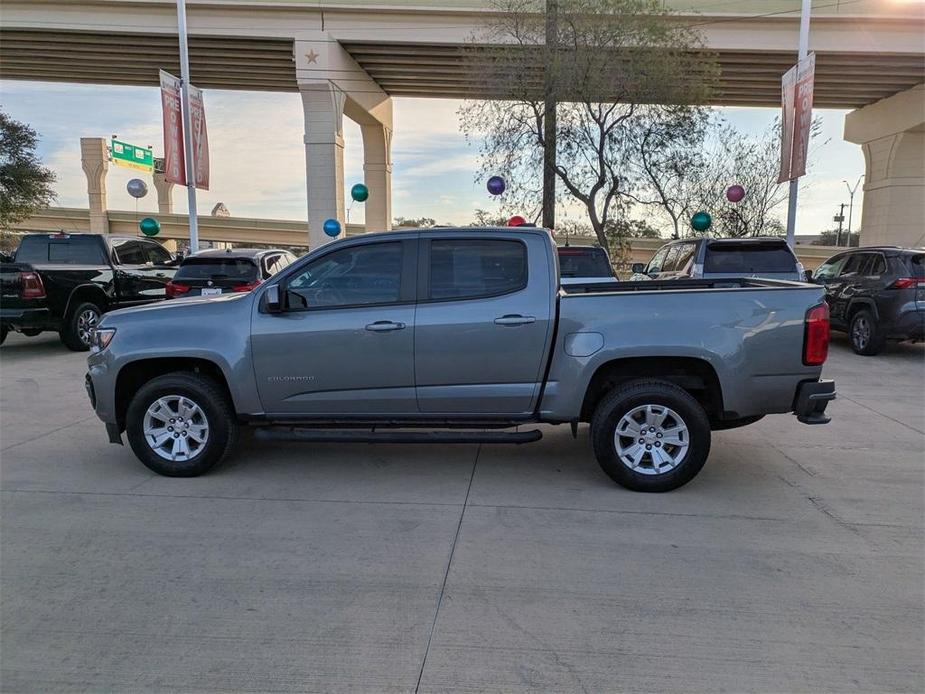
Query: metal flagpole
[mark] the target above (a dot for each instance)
(795, 182)
(187, 128)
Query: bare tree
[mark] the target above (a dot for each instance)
(614, 60)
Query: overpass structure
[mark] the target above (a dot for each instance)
(348, 58)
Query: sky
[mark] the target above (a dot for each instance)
(258, 159)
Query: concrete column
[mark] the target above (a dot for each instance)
(164, 190)
(377, 170)
(892, 135)
(323, 106)
(94, 158)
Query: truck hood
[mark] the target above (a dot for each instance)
(179, 307)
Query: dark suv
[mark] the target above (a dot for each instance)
(875, 294)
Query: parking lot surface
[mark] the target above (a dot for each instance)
(794, 562)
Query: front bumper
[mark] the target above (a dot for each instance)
(811, 400)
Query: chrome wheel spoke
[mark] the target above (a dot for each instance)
(651, 439)
(176, 428)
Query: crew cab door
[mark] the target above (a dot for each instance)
(343, 344)
(484, 316)
(142, 271)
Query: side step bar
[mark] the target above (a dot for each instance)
(353, 436)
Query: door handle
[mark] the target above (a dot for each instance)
(384, 326)
(514, 319)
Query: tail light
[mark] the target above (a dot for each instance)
(31, 286)
(816, 336)
(246, 287)
(907, 283)
(175, 289)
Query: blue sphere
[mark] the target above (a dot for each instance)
(496, 185)
(332, 227)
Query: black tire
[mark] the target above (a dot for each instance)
(31, 332)
(3, 331)
(864, 334)
(74, 334)
(660, 394)
(217, 412)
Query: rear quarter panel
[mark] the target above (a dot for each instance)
(752, 337)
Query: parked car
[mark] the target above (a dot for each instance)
(711, 258)
(584, 265)
(220, 271)
(66, 282)
(875, 294)
(460, 333)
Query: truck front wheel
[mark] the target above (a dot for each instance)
(181, 424)
(650, 436)
(79, 325)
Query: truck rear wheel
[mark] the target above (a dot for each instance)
(181, 424)
(650, 436)
(79, 325)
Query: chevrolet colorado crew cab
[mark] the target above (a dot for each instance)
(65, 282)
(454, 336)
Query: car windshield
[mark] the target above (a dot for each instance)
(583, 262)
(749, 257)
(217, 268)
(917, 265)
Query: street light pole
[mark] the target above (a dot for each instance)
(851, 192)
(549, 116)
(187, 128)
(805, 13)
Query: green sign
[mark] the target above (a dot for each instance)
(132, 157)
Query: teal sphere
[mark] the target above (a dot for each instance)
(359, 192)
(701, 221)
(149, 226)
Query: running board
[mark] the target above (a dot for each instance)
(353, 436)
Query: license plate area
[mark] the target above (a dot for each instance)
(211, 291)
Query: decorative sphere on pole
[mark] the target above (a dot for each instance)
(496, 185)
(331, 227)
(136, 188)
(516, 221)
(735, 193)
(149, 226)
(359, 192)
(701, 221)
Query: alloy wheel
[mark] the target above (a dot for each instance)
(651, 439)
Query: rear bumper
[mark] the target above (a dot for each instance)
(811, 400)
(910, 326)
(28, 319)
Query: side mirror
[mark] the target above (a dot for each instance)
(638, 268)
(808, 275)
(274, 301)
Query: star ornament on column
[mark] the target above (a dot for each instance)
(311, 56)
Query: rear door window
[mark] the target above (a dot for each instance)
(877, 266)
(241, 269)
(472, 268)
(685, 255)
(748, 258)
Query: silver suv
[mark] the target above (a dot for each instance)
(709, 258)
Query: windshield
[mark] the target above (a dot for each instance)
(749, 257)
(217, 268)
(583, 262)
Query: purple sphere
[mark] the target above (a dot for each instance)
(496, 185)
(735, 193)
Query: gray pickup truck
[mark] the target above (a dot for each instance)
(460, 336)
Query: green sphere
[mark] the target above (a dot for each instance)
(701, 221)
(149, 226)
(359, 192)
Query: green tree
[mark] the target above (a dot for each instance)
(618, 64)
(414, 223)
(25, 185)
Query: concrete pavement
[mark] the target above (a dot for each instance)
(794, 562)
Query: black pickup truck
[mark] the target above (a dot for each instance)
(65, 282)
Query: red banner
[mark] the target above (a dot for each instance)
(796, 118)
(200, 138)
(174, 164)
(174, 159)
